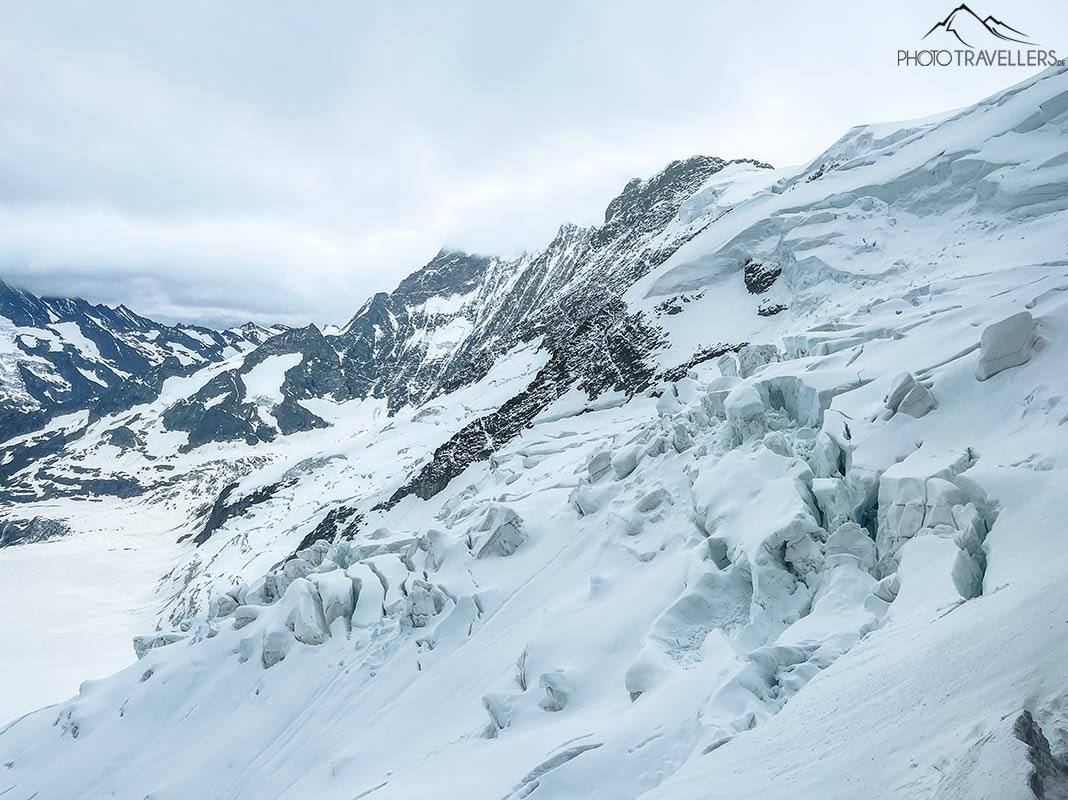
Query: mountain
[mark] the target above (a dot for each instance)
(756, 484)
(970, 30)
(446, 324)
(61, 355)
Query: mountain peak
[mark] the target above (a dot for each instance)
(680, 177)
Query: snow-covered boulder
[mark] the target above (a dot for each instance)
(599, 466)
(649, 668)
(589, 500)
(1006, 344)
(304, 613)
(424, 601)
(745, 414)
(851, 540)
(369, 593)
(222, 606)
(625, 460)
(297, 568)
(824, 460)
(500, 533)
(776, 442)
(801, 402)
(315, 554)
(276, 646)
(728, 365)
(142, 644)
(336, 593)
(558, 690)
(754, 356)
(918, 494)
(908, 396)
(681, 439)
(834, 501)
(500, 708)
(245, 615)
(654, 499)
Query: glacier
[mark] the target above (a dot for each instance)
(754, 491)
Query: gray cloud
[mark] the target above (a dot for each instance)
(222, 161)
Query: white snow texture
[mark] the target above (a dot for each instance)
(831, 564)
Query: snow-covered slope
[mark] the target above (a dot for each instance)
(806, 538)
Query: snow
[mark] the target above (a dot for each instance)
(264, 381)
(184, 355)
(72, 333)
(92, 376)
(442, 341)
(211, 402)
(445, 306)
(78, 628)
(724, 586)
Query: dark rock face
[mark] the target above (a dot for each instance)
(770, 309)
(701, 356)
(339, 524)
(223, 509)
(446, 324)
(1049, 775)
(759, 277)
(123, 437)
(571, 295)
(25, 531)
(481, 438)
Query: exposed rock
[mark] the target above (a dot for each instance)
(1048, 779)
(38, 529)
(224, 509)
(759, 277)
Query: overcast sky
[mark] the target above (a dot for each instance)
(222, 161)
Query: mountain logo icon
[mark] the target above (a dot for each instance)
(968, 27)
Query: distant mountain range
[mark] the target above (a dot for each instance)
(59, 355)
